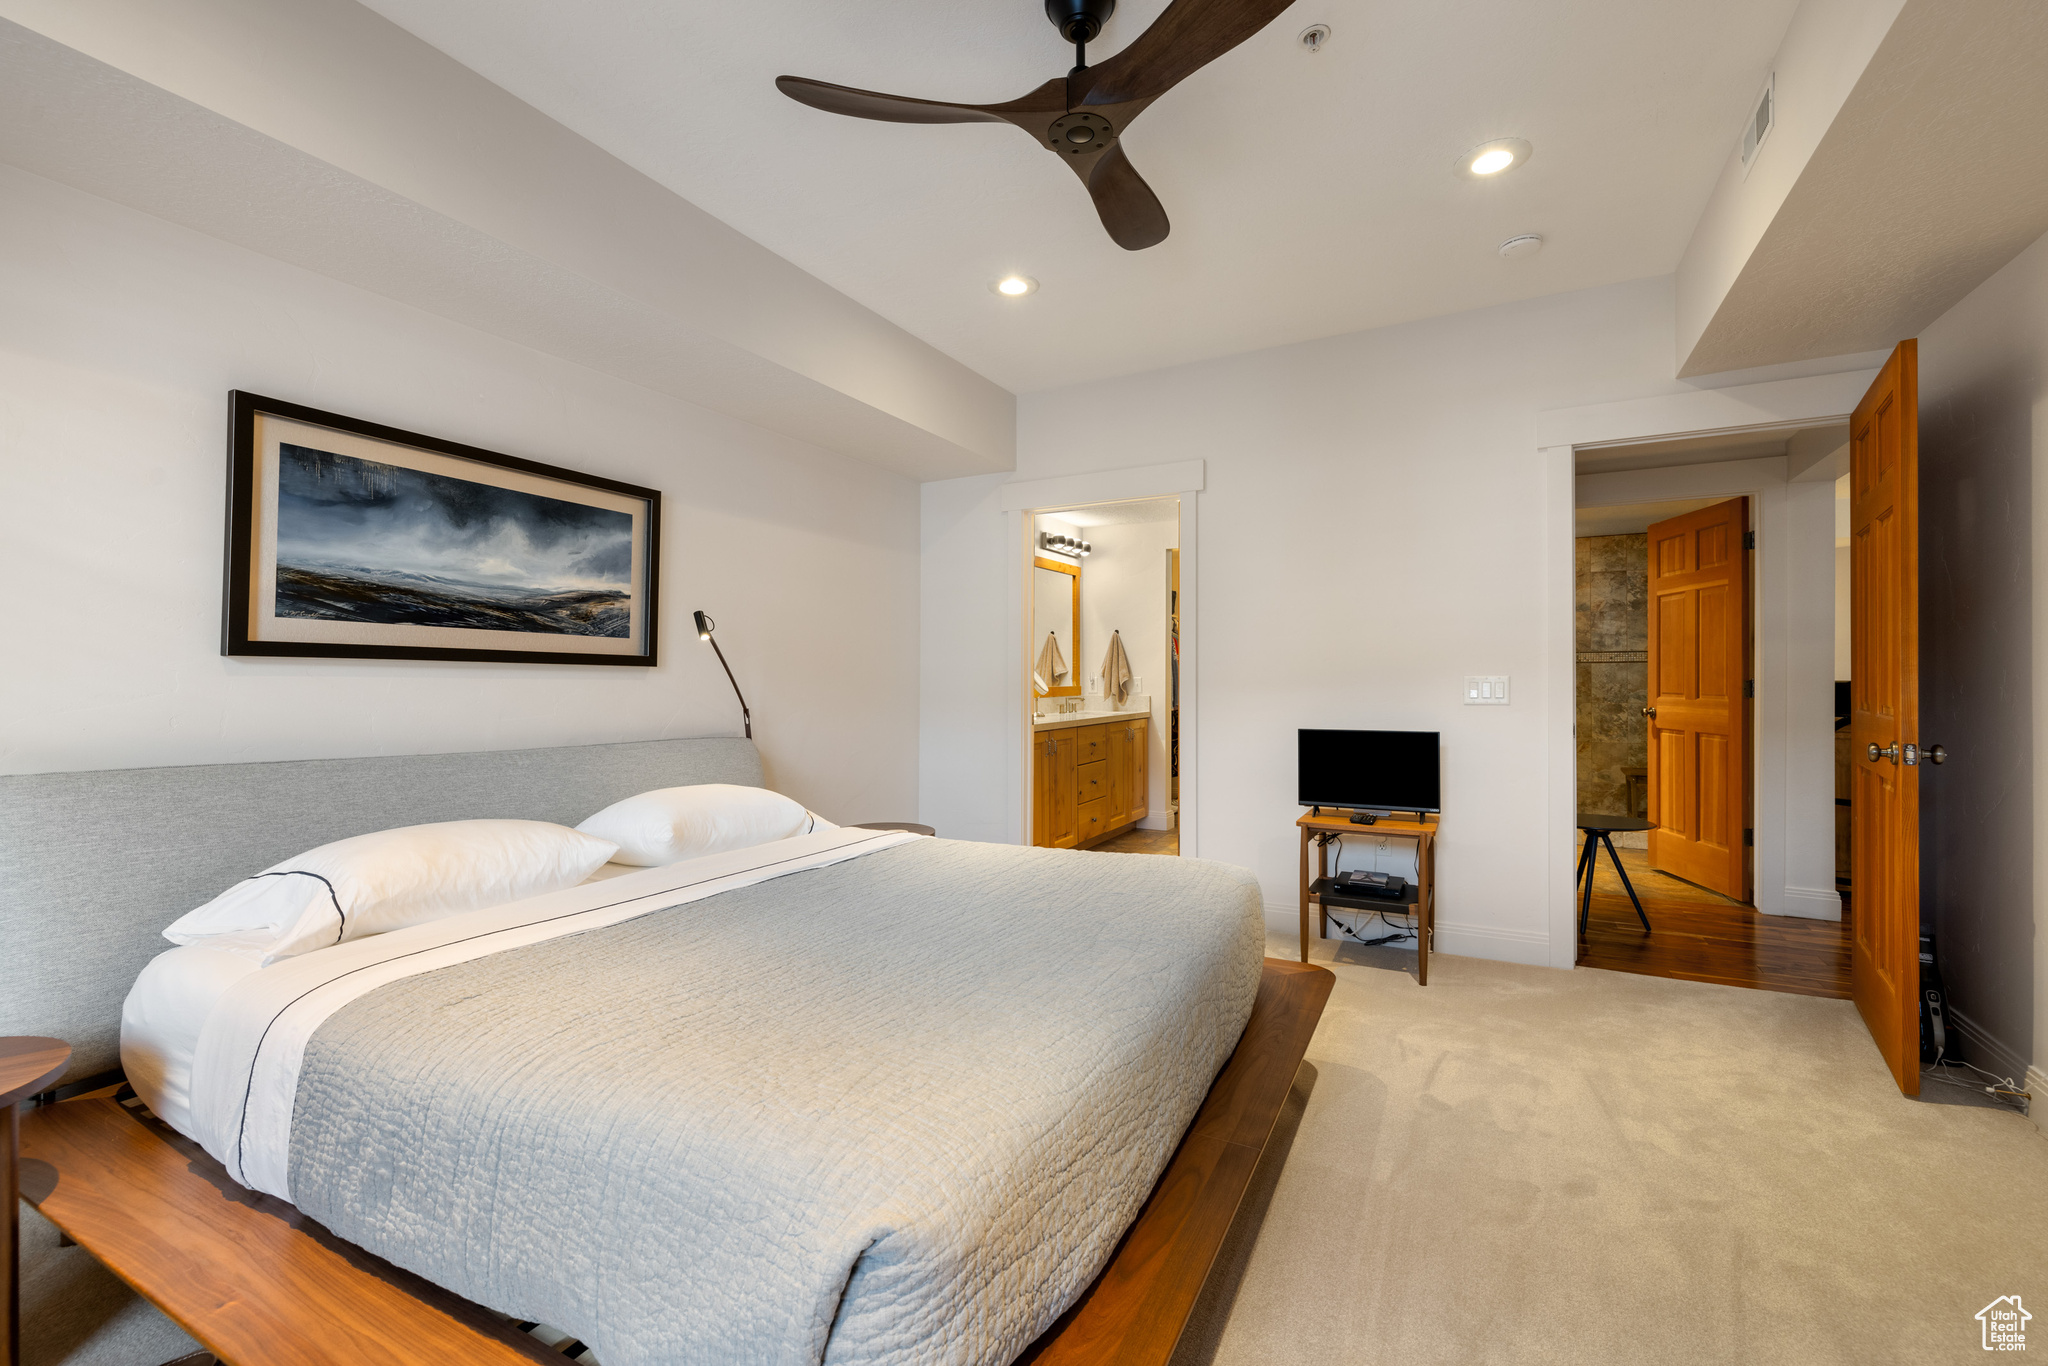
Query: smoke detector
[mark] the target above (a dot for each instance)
(1515, 248)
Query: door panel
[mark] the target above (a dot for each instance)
(1062, 790)
(1119, 735)
(1884, 701)
(1699, 663)
(1141, 771)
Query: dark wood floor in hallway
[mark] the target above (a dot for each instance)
(1141, 841)
(1700, 936)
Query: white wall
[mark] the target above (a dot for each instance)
(1123, 588)
(1983, 648)
(1826, 48)
(120, 336)
(1374, 529)
(1842, 618)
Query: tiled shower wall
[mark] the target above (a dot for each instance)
(1613, 585)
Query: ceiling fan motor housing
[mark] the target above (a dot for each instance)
(1079, 20)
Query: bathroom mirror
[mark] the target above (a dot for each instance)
(1055, 615)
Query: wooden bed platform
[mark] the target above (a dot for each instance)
(261, 1285)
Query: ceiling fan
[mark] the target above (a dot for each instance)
(1080, 117)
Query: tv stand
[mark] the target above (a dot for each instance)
(1318, 828)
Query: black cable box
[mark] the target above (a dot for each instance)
(1388, 885)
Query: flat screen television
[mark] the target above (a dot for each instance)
(1370, 770)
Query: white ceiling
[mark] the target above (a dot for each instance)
(1311, 194)
(1130, 513)
(1632, 519)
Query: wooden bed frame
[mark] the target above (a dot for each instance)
(259, 1284)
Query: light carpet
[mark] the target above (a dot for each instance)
(1524, 1165)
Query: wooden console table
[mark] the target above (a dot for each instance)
(1318, 827)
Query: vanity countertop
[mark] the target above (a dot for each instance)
(1141, 708)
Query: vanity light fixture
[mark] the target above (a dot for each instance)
(705, 626)
(1490, 159)
(1015, 286)
(1064, 545)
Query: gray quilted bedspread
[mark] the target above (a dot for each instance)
(900, 1109)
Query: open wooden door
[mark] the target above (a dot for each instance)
(1884, 701)
(1699, 706)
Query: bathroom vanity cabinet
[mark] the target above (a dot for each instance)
(1088, 781)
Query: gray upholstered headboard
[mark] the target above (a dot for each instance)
(94, 865)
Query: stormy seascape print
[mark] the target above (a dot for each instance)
(365, 542)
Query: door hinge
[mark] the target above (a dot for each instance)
(1749, 839)
(1749, 687)
(1749, 540)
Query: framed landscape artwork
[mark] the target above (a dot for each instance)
(351, 540)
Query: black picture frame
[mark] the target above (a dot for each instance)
(244, 492)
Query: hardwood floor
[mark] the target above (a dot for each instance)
(1141, 841)
(1700, 936)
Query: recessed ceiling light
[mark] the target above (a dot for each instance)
(1490, 159)
(1528, 244)
(1015, 286)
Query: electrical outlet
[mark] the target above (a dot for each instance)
(1486, 690)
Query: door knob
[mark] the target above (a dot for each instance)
(1890, 752)
(1936, 754)
(1649, 711)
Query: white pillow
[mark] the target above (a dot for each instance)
(388, 880)
(676, 823)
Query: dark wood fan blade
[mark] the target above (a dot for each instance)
(1132, 213)
(872, 104)
(1187, 37)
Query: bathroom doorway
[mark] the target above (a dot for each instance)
(1103, 694)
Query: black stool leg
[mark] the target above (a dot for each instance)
(1586, 862)
(1608, 840)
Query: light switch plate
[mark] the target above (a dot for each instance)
(1486, 690)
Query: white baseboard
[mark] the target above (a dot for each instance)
(2037, 1087)
(1159, 822)
(1531, 947)
(1808, 903)
(1987, 1051)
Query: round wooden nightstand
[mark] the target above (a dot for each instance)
(913, 828)
(27, 1065)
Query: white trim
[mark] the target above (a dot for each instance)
(2037, 1087)
(1776, 405)
(1530, 947)
(1025, 497)
(1107, 486)
(1560, 680)
(1811, 903)
(1993, 1055)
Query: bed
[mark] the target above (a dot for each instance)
(863, 1096)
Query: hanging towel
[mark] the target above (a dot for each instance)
(1051, 666)
(1116, 671)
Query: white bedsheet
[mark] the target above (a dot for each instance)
(245, 1068)
(168, 1006)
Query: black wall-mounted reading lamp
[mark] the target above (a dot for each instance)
(705, 626)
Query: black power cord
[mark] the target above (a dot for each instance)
(1329, 837)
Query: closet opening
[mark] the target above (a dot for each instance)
(1103, 692)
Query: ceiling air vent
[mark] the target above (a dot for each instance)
(1761, 120)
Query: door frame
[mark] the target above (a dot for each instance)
(1737, 411)
(1021, 502)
